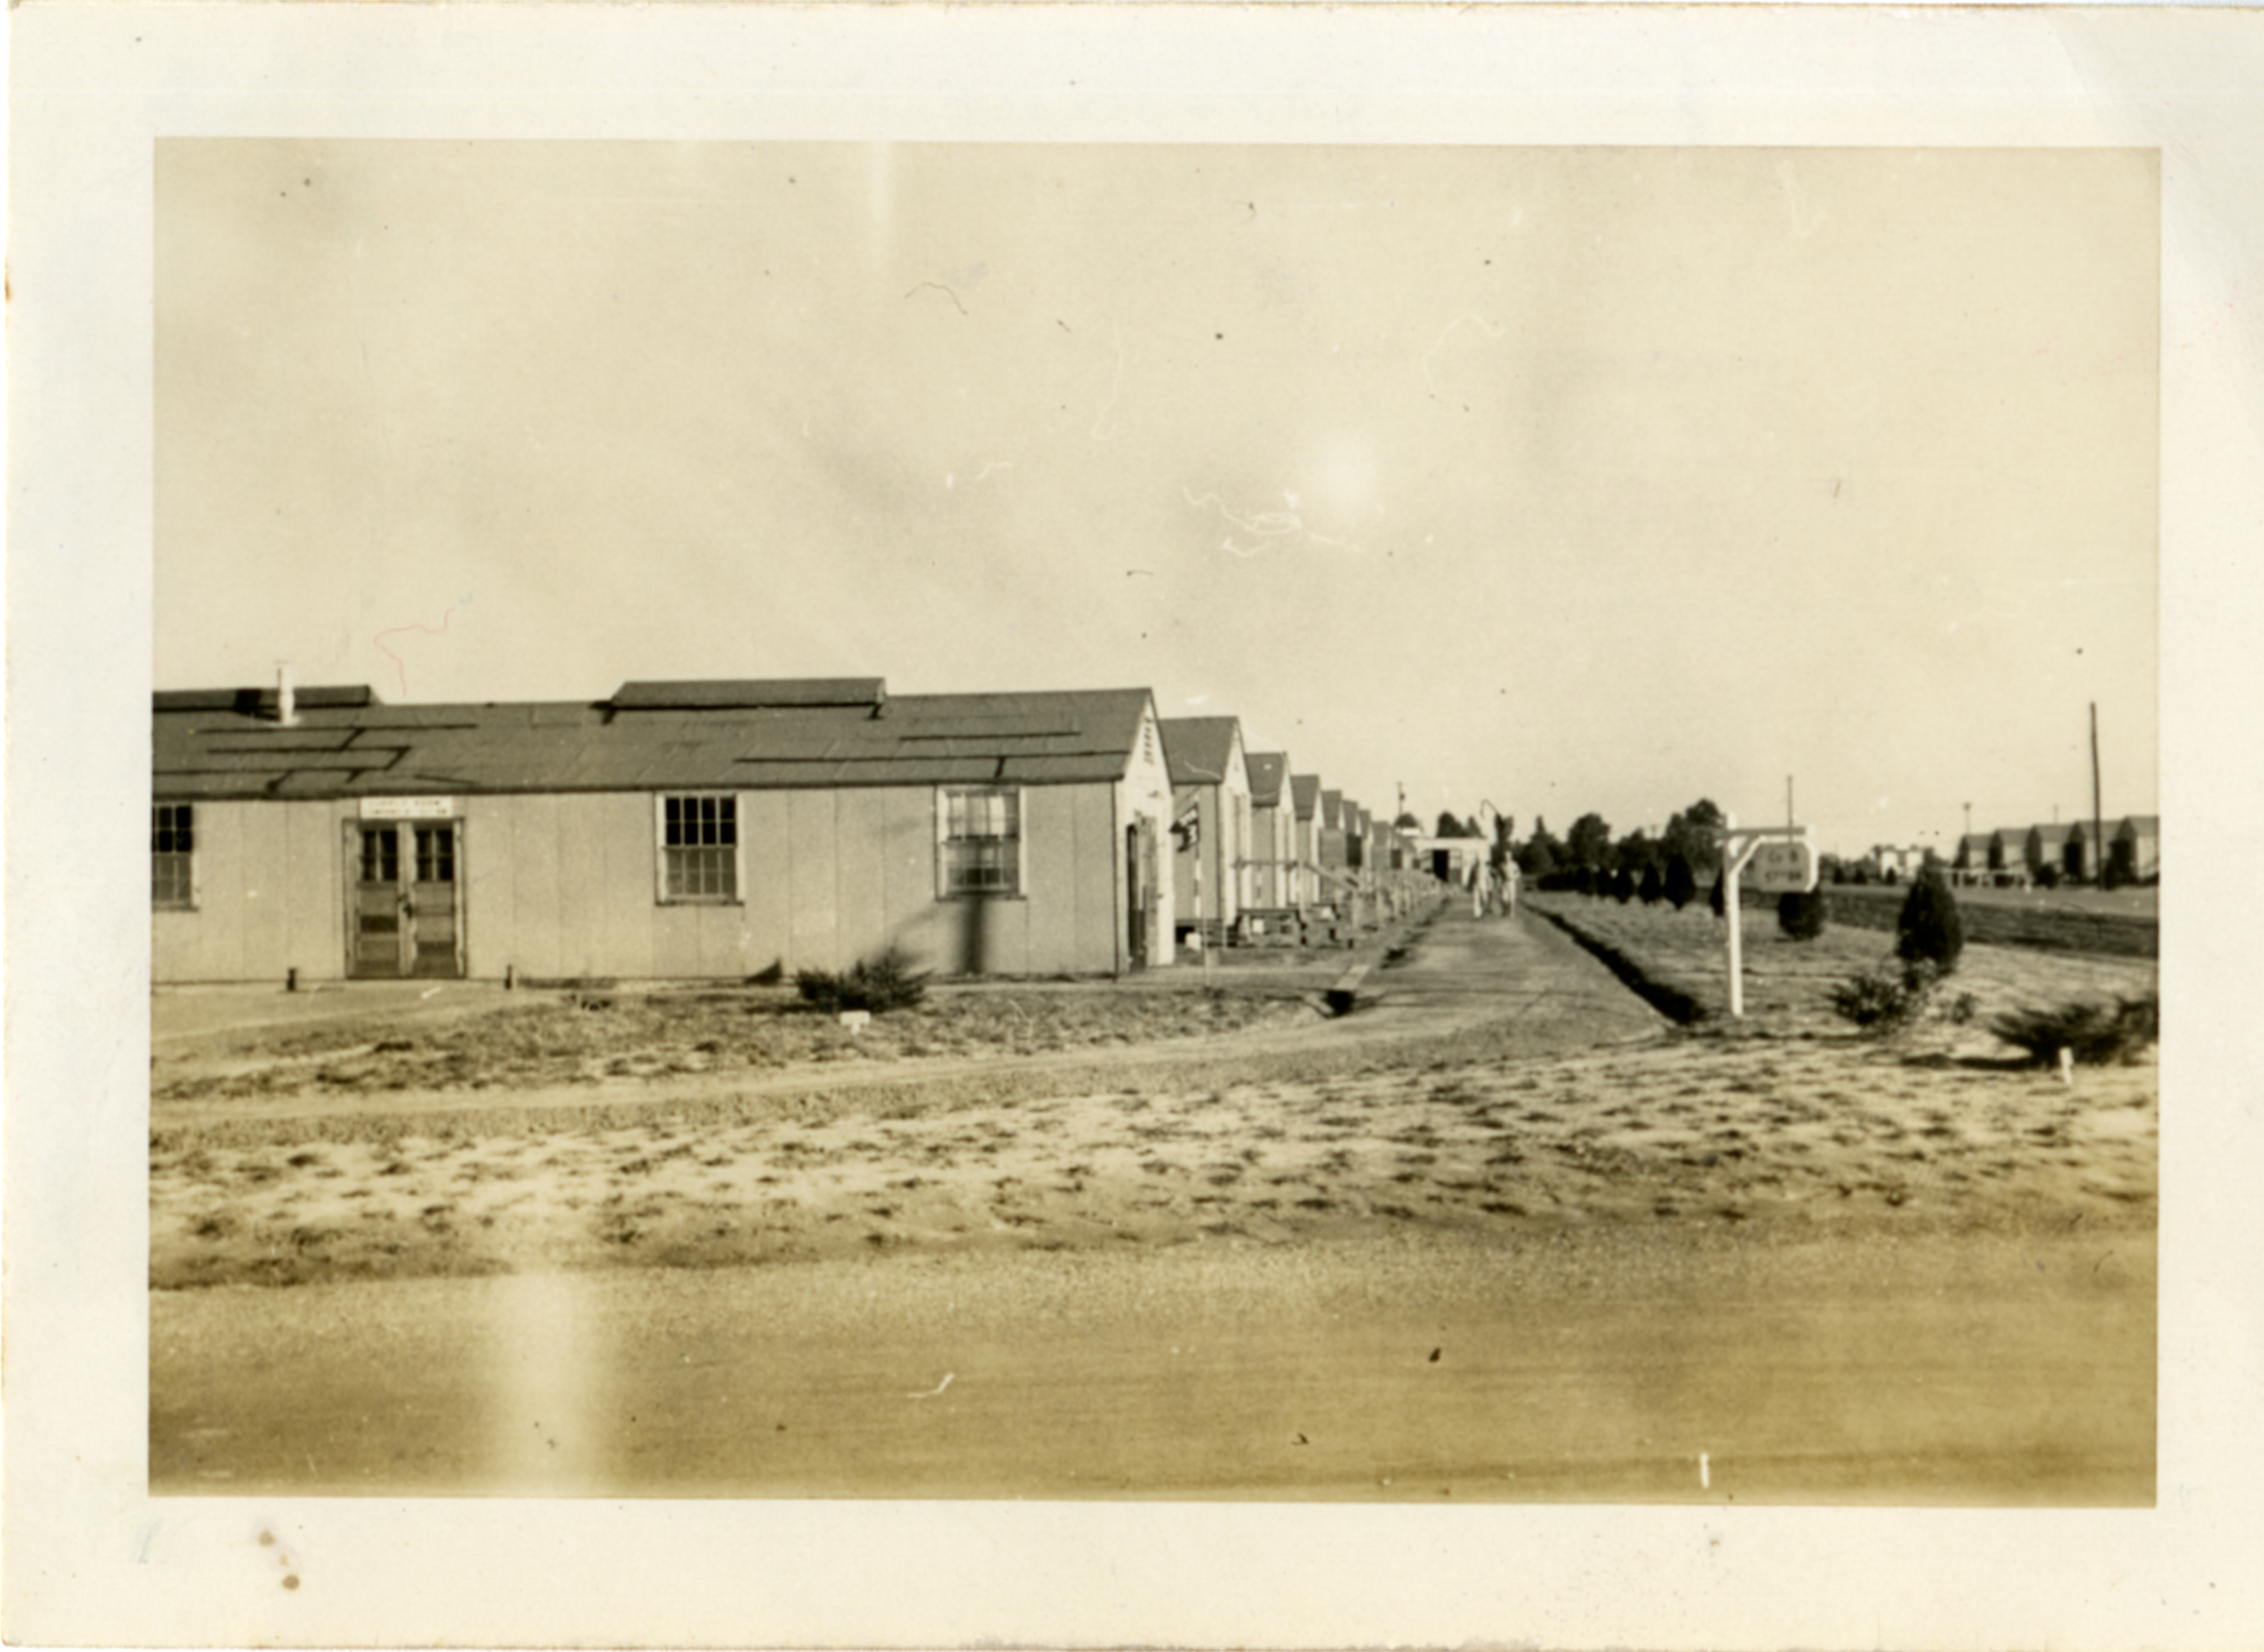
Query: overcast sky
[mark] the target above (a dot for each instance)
(1568, 479)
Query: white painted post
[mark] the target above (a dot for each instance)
(1730, 859)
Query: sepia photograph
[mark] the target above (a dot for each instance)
(1132, 826)
(1282, 823)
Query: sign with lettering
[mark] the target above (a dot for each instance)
(1781, 868)
(408, 808)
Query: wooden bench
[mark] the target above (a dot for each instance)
(1341, 995)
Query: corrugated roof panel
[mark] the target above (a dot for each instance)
(1002, 727)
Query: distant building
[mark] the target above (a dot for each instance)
(1449, 859)
(676, 830)
(1305, 797)
(1899, 863)
(2008, 855)
(1971, 864)
(2046, 851)
(1273, 832)
(1210, 789)
(2136, 846)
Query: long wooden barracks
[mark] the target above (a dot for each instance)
(693, 829)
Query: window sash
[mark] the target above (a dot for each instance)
(173, 854)
(436, 854)
(380, 856)
(981, 840)
(700, 847)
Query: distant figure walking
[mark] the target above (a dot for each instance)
(1480, 892)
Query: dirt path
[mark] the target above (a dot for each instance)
(1521, 989)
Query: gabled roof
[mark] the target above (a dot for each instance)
(1200, 749)
(1305, 790)
(1332, 810)
(2051, 833)
(207, 746)
(1269, 777)
(2139, 825)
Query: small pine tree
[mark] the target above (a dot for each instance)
(1682, 882)
(1803, 915)
(1929, 928)
(1715, 900)
(1622, 886)
(1652, 888)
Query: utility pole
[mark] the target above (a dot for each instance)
(2098, 856)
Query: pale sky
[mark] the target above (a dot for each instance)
(1568, 479)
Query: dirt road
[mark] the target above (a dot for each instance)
(1588, 1365)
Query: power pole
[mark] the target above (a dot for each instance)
(2098, 858)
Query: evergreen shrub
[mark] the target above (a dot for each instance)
(877, 984)
(1929, 929)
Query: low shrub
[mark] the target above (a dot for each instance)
(1803, 915)
(1892, 997)
(2094, 1033)
(877, 984)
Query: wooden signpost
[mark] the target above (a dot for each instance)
(1782, 861)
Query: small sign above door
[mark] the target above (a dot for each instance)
(408, 808)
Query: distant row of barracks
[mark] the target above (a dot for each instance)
(725, 830)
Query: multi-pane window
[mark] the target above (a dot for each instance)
(982, 838)
(700, 840)
(436, 854)
(380, 855)
(172, 849)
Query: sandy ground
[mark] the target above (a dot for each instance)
(1609, 1364)
(1610, 1205)
(1471, 1098)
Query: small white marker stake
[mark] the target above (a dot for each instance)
(2066, 1065)
(1705, 1474)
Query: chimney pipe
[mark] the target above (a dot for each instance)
(287, 698)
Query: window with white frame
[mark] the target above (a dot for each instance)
(172, 855)
(979, 831)
(699, 848)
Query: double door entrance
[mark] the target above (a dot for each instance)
(404, 917)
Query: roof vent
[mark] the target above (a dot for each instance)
(792, 693)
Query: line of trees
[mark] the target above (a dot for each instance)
(1588, 858)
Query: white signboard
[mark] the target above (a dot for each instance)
(408, 808)
(1781, 868)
